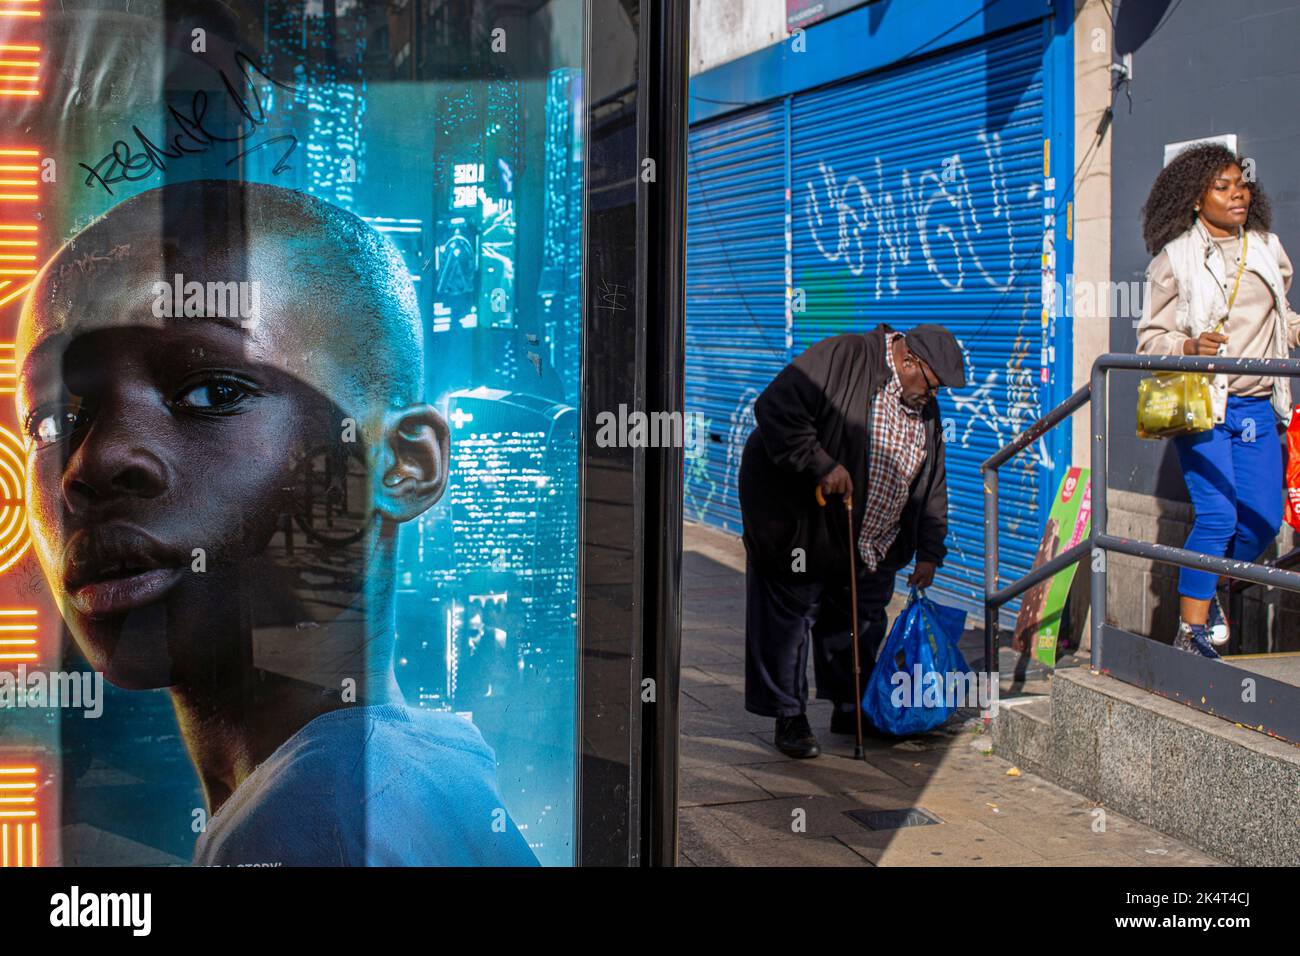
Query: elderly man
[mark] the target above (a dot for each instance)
(854, 415)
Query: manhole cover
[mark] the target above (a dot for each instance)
(893, 819)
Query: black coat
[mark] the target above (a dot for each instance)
(815, 414)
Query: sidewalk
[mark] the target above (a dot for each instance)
(743, 803)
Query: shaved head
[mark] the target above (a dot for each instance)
(235, 371)
(337, 305)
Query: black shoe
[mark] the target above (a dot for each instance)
(794, 737)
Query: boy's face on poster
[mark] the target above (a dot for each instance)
(186, 490)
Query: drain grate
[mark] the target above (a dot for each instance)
(893, 819)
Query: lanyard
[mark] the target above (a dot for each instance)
(1236, 284)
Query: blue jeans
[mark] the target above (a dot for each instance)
(1234, 477)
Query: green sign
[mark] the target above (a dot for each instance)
(1038, 626)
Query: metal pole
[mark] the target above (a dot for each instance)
(990, 571)
(1098, 464)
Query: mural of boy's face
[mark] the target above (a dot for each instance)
(197, 501)
(156, 451)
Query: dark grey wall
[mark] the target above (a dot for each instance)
(1211, 68)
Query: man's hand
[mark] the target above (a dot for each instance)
(922, 574)
(837, 482)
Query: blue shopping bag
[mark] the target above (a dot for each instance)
(919, 678)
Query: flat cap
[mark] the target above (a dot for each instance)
(936, 347)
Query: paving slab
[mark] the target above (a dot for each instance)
(825, 776)
(727, 750)
(704, 785)
(817, 851)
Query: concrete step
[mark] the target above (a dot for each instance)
(1225, 789)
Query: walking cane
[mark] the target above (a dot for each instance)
(859, 752)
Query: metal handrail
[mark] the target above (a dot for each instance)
(1099, 541)
(1289, 560)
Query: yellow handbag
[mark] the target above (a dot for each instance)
(1179, 403)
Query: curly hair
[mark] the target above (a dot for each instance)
(1168, 212)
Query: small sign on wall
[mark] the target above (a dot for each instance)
(1173, 149)
(802, 13)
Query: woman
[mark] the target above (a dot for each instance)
(1217, 286)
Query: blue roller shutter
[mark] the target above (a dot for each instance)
(737, 336)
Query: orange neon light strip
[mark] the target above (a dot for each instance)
(19, 830)
(8, 625)
(21, 290)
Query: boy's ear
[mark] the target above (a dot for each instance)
(416, 444)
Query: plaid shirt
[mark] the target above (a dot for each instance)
(897, 452)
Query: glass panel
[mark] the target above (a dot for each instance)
(295, 447)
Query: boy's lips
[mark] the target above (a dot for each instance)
(112, 569)
(119, 595)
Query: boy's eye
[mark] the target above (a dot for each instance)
(212, 395)
(47, 428)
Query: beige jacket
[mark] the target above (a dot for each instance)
(1187, 294)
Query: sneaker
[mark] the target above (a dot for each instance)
(794, 737)
(1196, 639)
(1217, 623)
